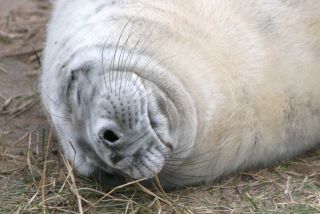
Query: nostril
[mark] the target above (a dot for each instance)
(110, 136)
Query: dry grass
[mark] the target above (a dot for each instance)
(42, 180)
(14, 106)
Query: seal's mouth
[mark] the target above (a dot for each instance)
(143, 164)
(144, 158)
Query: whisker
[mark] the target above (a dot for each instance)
(131, 55)
(141, 53)
(102, 65)
(58, 105)
(112, 64)
(149, 61)
(124, 47)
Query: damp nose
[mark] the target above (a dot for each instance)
(109, 137)
(112, 140)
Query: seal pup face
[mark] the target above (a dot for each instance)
(121, 122)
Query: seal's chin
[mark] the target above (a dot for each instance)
(145, 164)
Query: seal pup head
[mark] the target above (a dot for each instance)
(122, 122)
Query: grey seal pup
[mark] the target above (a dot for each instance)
(188, 90)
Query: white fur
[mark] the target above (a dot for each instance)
(250, 68)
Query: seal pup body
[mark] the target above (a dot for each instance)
(189, 90)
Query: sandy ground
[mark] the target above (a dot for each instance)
(22, 33)
(22, 26)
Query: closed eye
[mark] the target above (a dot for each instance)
(78, 97)
(70, 85)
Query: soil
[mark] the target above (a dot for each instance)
(22, 33)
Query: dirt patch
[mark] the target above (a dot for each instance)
(22, 27)
(34, 176)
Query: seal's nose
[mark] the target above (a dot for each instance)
(108, 136)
